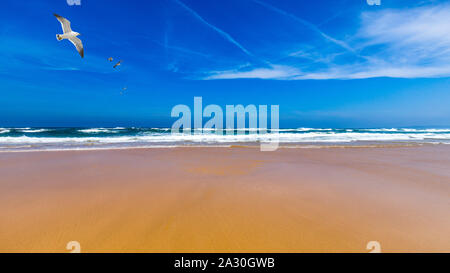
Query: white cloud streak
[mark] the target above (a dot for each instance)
(274, 72)
(213, 27)
(408, 43)
(307, 24)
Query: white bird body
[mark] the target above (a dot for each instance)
(69, 34)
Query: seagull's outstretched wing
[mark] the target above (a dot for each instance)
(64, 23)
(117, 64)
(78, 44)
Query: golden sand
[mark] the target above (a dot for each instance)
(226, 200)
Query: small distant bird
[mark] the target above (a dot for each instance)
(117, 64)
(110, 59)
(69, 34)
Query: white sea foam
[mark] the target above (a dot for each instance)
(33, 130)
(215, 138)
(410, 130)
(100, 130)
(66, 138)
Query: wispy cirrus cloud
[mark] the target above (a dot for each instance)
(273, 72)
(397, 43)
(224, 34)
(307, 24)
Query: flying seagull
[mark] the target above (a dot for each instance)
(110, 59)
(117, 64)
(69, 34)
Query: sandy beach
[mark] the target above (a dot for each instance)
(227, 200)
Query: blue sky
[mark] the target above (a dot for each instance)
(339, 63)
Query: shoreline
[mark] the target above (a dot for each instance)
(305, 145)
(54, 139)
(227, 200)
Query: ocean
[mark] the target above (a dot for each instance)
(37, 139)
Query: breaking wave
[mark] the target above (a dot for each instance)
(76, 138)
